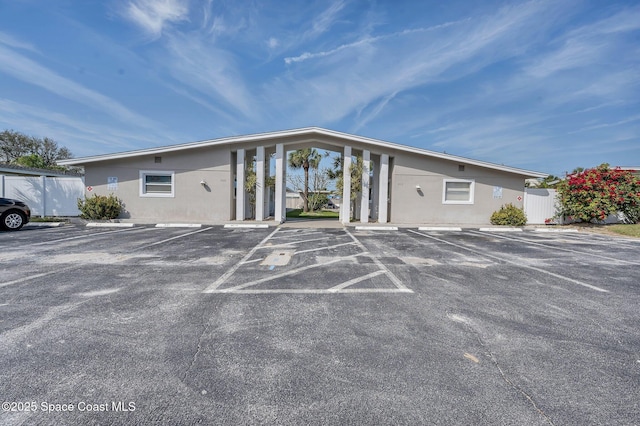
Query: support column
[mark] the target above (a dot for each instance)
(260, 189)
(345, 206)
(384, 188)
(375, 185)
(280, 200)
(364, 199)
(240, 178)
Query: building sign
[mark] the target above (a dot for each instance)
(112, 183)
(497, 192)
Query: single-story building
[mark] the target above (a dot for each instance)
(197, 182)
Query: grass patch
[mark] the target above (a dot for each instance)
(628, 230)
(322, 214)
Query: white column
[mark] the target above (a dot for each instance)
(364, 199)
(375, 185)
(384, 188)
(260, 189)
(345, 207)
(280, 200)
(240, 194)
(2, 186)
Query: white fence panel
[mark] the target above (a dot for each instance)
(539, 204)
(46, 196)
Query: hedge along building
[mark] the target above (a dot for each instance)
(197, 182)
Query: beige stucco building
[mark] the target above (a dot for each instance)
(196, 182)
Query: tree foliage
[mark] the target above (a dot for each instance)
(593, 194)
(29, 151)
(305, 159)
(251, 183)
(356, 169)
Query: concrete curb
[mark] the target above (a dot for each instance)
(376, 228)
(439, 228)
(109, 225)
(246, 225)
(44, 224)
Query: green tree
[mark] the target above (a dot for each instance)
(305, 159)
(31, 160)
(593, 194)
(356, 169)
(15, 146)
(251, 183)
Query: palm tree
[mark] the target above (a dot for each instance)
(304, 159)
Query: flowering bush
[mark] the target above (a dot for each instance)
(594, 194)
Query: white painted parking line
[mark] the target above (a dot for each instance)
(291, 243)
(291, 272)
(551, 230)
(212, 288)
(178, 225)
(174, 238)
(35, 276)
(356, 281)
(109, 225)
(439, 228)
(535, 243)
(90, 235)
(314, 291)
(380, 265)
(325, 248)
(519, 264)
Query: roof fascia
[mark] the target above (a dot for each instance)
(311, 132)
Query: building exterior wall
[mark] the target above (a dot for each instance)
(410, 205)
(215, 202)
(192, 202)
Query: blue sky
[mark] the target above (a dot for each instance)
(542, 85)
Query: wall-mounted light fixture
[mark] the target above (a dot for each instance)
(418, 188)
(203, 182)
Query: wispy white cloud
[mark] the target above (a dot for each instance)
(364, 72)
(152, 16)
(208, 69)
(29, 71)
(324, 20)
(10, 41)
(72, 132)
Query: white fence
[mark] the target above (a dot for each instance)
(539, 204)
(46, 196)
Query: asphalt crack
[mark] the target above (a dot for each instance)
(495, 362)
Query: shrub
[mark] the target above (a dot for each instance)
(594, 194)
(100, 207)
(509, 215)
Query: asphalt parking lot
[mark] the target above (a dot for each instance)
(318, 326)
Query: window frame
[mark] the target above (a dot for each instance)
(472, 184)
(143, 184)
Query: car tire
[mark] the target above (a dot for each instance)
(12, 220)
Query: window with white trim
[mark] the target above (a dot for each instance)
(154, 183)
(458, 191)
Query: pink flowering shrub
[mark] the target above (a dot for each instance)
(594, 194)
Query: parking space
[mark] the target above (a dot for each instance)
(318, 326)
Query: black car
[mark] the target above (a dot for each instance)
(14, 214)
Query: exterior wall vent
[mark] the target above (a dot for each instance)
(158, 159)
